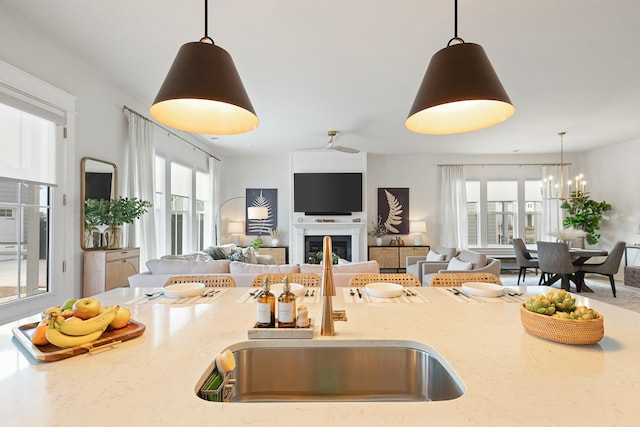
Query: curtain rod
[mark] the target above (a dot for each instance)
(505, 164)
(124, 107)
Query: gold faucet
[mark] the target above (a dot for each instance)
(327, 291)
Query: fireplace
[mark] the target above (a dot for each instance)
(341, 246)
(349, 240)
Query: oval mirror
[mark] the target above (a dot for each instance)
(99, 180)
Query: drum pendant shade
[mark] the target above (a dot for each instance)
(460, 93)
(203, 93)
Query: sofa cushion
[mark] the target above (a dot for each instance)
(476, 259)
(456, 264)
(237, 267)
(434, 256)
(178, 266)
(354, 267)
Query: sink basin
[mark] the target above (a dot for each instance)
(337, 370)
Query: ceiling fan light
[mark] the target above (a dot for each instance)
(460, 92)
(203, 93)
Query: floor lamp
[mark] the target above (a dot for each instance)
(252, 213)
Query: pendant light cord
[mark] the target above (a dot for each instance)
(206, 37)
(455, 24)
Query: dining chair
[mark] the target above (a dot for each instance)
(305, 279)
(209, 281)
(555, 261)
(457, 279)
(607, 268)
(524, 258)
(403, 279)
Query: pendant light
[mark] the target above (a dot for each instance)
(460, 91)
(203, 93)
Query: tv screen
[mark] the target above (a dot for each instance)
(327, 193)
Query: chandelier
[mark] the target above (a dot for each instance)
(561, 189)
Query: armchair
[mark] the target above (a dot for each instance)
(480, 263)
(414, 263)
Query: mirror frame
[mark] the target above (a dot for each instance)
(83, 189)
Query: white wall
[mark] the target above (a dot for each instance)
(612, 176)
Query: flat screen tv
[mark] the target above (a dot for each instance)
(327, 193)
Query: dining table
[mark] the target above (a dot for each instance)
(578, 257)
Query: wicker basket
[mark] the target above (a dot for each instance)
(562, 330)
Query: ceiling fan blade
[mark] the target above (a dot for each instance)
(311, 149)
(345, 149)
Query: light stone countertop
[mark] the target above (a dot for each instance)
(511, 378)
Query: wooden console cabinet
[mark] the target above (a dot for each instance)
(280, 254)
(108, 269)
(395, 257)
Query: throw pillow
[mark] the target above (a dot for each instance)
(434, 256)
(215, 252)
(456, 264)
(239, 255)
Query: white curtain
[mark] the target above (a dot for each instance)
(214, 185)
(551, 212)
(139, 182)
(453, 207)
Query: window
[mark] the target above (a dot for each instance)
(36, 137)
(203, 204)
(499, 210)
(473, 212)
(28, 143)
(502, 197)
(180, 199)
(183, 223)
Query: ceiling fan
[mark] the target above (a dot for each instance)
(331, 146)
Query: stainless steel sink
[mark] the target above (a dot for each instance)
(393, 371)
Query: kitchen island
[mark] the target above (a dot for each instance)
(510, 378)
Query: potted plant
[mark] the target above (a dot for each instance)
(334, 257)
(115, 213)
(378, 230)
(586, 215)
(275, 234)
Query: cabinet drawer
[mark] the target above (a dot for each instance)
(122, 254)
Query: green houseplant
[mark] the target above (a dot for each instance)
(585, 214)
(114, 213)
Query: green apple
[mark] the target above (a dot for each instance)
(68, 304)
(86, 308)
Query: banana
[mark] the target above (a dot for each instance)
(61, 340)
(85, 327)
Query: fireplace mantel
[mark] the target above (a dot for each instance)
(354, 229)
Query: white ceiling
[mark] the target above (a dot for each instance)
(310, 66)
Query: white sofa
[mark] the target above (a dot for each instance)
(160, 270)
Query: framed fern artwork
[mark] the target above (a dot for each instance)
(393, 208)
(262, 197)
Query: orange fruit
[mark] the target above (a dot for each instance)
(39, 336)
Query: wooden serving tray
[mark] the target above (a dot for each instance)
(51, 353)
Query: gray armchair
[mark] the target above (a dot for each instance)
(608, 268)
(480, 263)
(414, 263)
